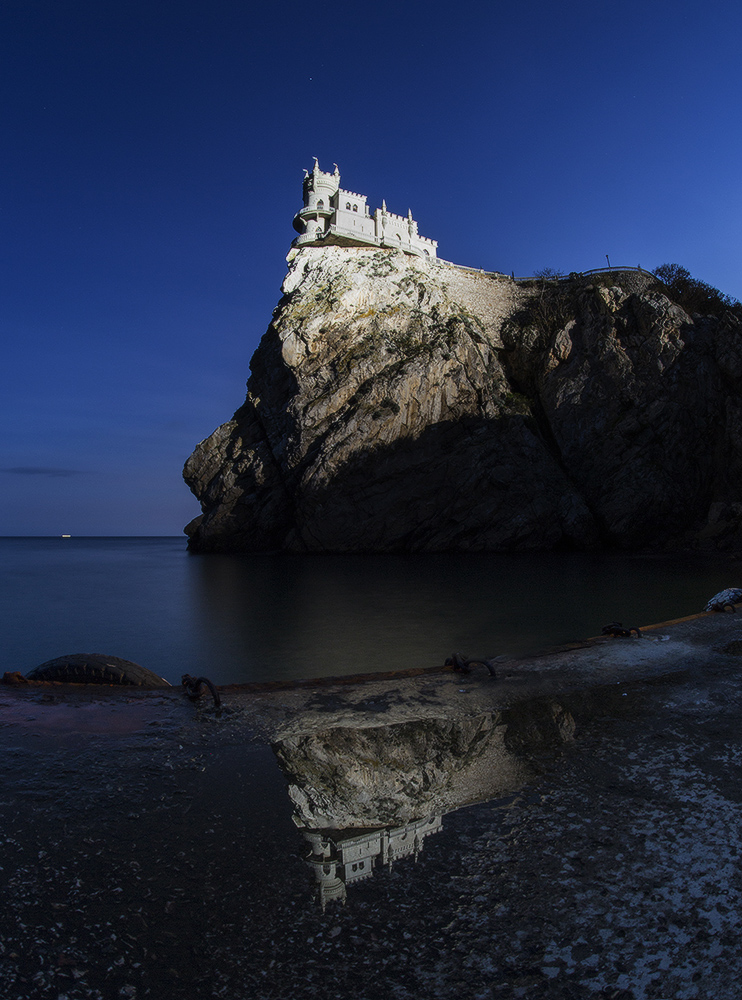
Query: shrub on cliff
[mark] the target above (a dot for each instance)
(693, 295)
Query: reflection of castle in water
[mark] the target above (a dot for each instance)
(367, 796)
(344, 856)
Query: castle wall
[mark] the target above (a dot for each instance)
(345, 198)
(354, 224)
(399, 230)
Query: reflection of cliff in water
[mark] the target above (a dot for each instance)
(365, 797)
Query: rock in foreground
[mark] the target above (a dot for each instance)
(96, 668)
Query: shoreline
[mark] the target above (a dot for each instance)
(692, 638)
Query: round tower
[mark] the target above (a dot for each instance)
(320, 200)
(323, 862)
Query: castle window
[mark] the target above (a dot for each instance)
(320, 203)
(347, 205)
(355, 208)
(318, 231)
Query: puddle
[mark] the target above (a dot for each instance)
(116, 717)
(365, 797)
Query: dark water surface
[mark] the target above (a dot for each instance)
(278, 616)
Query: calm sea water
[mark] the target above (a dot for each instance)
(262, 617)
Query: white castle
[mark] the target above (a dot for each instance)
(332, 216)
(341, 857)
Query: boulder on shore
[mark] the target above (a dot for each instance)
(96, 668)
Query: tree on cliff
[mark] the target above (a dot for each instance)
(693, 295)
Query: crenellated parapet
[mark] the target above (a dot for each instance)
(332, 216)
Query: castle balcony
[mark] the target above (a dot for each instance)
(309, 239)
(309, 212)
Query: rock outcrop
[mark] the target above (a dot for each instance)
(95, 668)
(399, 403)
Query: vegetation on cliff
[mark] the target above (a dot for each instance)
(693, 295)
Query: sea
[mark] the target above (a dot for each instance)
(283, 616)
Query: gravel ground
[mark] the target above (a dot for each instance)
(148, 850)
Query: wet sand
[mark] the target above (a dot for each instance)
(150, 849)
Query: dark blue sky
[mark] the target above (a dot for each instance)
(152, 163)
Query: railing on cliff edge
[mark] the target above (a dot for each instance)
(585, 274)
(551, 277)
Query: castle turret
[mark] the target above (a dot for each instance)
(323, 862)
(320, 190)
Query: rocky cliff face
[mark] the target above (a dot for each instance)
(397, 403)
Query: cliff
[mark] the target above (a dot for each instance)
(400, 403)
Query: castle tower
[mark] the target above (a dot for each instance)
(323, 862)
(320, 201)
